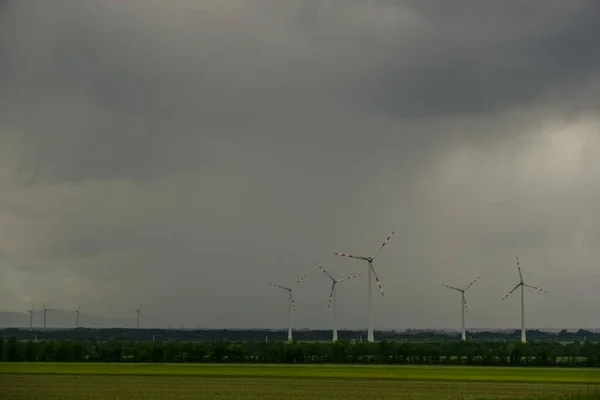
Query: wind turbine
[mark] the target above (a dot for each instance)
(463, 305)
(522, 285)
(369, 271)
(332, 296)
(291, 304)
(45, 312)
(138, 315)
(31, 317)
(77, 316)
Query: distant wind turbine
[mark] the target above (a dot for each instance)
(463, 305)
(45, 312)
(522, 285)
(291, 304)
(138, 315)
(370, 270)
(332, 296)
(31, 317)
(77, 316)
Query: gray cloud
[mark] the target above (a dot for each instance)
(184, 155)
(496, 57)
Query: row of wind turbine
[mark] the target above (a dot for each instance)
(521, 284)
(370, 271)
(77, 312)
(45, 311)
(332, 303)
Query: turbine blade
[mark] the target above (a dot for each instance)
(331, 294)
(140, 307)
(293, 302)
(465, 303)
(351, 256)
(376, 279)
(281, 287)
(536, 288)
(384, 243)
(452, 287)
(471, 284)
(326, 273)
(519, 268)
(349, 277)
(301, 279)
(509, 293)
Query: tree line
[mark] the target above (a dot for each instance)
(281, 335)
(575, 354)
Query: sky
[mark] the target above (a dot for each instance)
(184, 154)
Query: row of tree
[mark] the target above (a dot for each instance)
(280, 335)
(574, 354)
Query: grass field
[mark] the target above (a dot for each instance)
(193, 381)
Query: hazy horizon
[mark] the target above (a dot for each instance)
(183, 155)
(67, 321)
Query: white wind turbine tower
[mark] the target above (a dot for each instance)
(463, 305)
(77, 316)
(369, 271)
(332, 296)
(522, 285)
(45, 312)
(31, 317)
(138, 315)
(291, 304)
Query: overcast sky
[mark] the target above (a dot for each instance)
(184, 154)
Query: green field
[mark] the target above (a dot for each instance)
(54, 381)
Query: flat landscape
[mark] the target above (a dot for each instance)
(201, 381)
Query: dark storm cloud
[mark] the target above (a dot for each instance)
(119, 80)
(193, 151)
(497, 57)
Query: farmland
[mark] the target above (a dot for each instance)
(23, 381)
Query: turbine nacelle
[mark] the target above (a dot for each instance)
(335, 281)
(138, 310)
(281, 287)
(462, 291)
(522, 283)
(290, 290)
